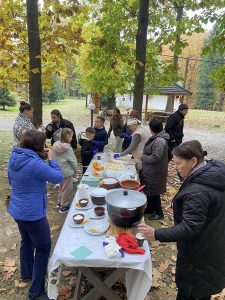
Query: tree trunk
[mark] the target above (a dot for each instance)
(170, 103)
(3, 106)
(35, 88)
(111, 101)
(96, 100)
(180, 12)
(141, 43)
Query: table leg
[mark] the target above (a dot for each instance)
(76, 295)
(102, 287)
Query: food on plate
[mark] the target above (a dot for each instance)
(83, 202)
(97, 168)
(78, 218)
(115, 166)
(108, 183)
(95, 229)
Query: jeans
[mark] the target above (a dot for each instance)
(34, 253)
(154, 205)
(182, 297)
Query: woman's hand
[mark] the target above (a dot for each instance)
(49, 153)
(147, 231)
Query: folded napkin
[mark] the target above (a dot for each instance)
(129, 244)
(112, 249)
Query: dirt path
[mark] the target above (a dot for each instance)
(213, 143)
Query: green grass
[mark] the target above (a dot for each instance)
(6, 142)
(206, 120)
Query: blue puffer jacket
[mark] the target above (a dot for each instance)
(27, 174)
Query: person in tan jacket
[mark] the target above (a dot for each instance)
(140, 136)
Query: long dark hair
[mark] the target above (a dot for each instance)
(24, 106)
(119, 116)
(190, 149)
(57, 113)
(34, 140)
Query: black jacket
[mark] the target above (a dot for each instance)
(101, 136)
(174, 126)
(126, 142)
(199, 230)
(86, 151)
(63, 124)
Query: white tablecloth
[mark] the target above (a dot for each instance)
(138, 277)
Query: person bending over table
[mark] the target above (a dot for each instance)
(140, 136)
(199, 210)
(27, 174)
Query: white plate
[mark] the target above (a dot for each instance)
(92, 215)
(74, 225)
(100, 226)
(90, 205)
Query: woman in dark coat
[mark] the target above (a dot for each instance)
(199, 230)
(155, 169)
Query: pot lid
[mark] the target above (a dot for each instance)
(98, 192)
(125, 198)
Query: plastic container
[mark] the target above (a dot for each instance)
(91, 181)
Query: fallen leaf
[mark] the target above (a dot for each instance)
(164, 266)
(54, 227)
(174, 258)
(9, 262)
(20, 284)
(13, 246)
(66, 273)
(157, 278)
(3, 250)
(8, 231)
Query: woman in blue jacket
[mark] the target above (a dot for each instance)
(28, 173)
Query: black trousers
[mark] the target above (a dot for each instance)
(154, 205)
(182, 297)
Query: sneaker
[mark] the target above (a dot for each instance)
(156, 217)
(42, 297)
(64, 209)
(58, 205)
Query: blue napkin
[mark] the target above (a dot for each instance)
(81, 253)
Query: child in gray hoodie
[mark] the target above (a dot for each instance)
(66, 158)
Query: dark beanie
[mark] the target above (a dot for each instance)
(182, 106)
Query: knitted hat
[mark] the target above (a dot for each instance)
(182, 106)
(134, 114)
(133, 121)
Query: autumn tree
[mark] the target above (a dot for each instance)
(60, 30)
(211, 63)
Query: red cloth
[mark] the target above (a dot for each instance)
(129, 244)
